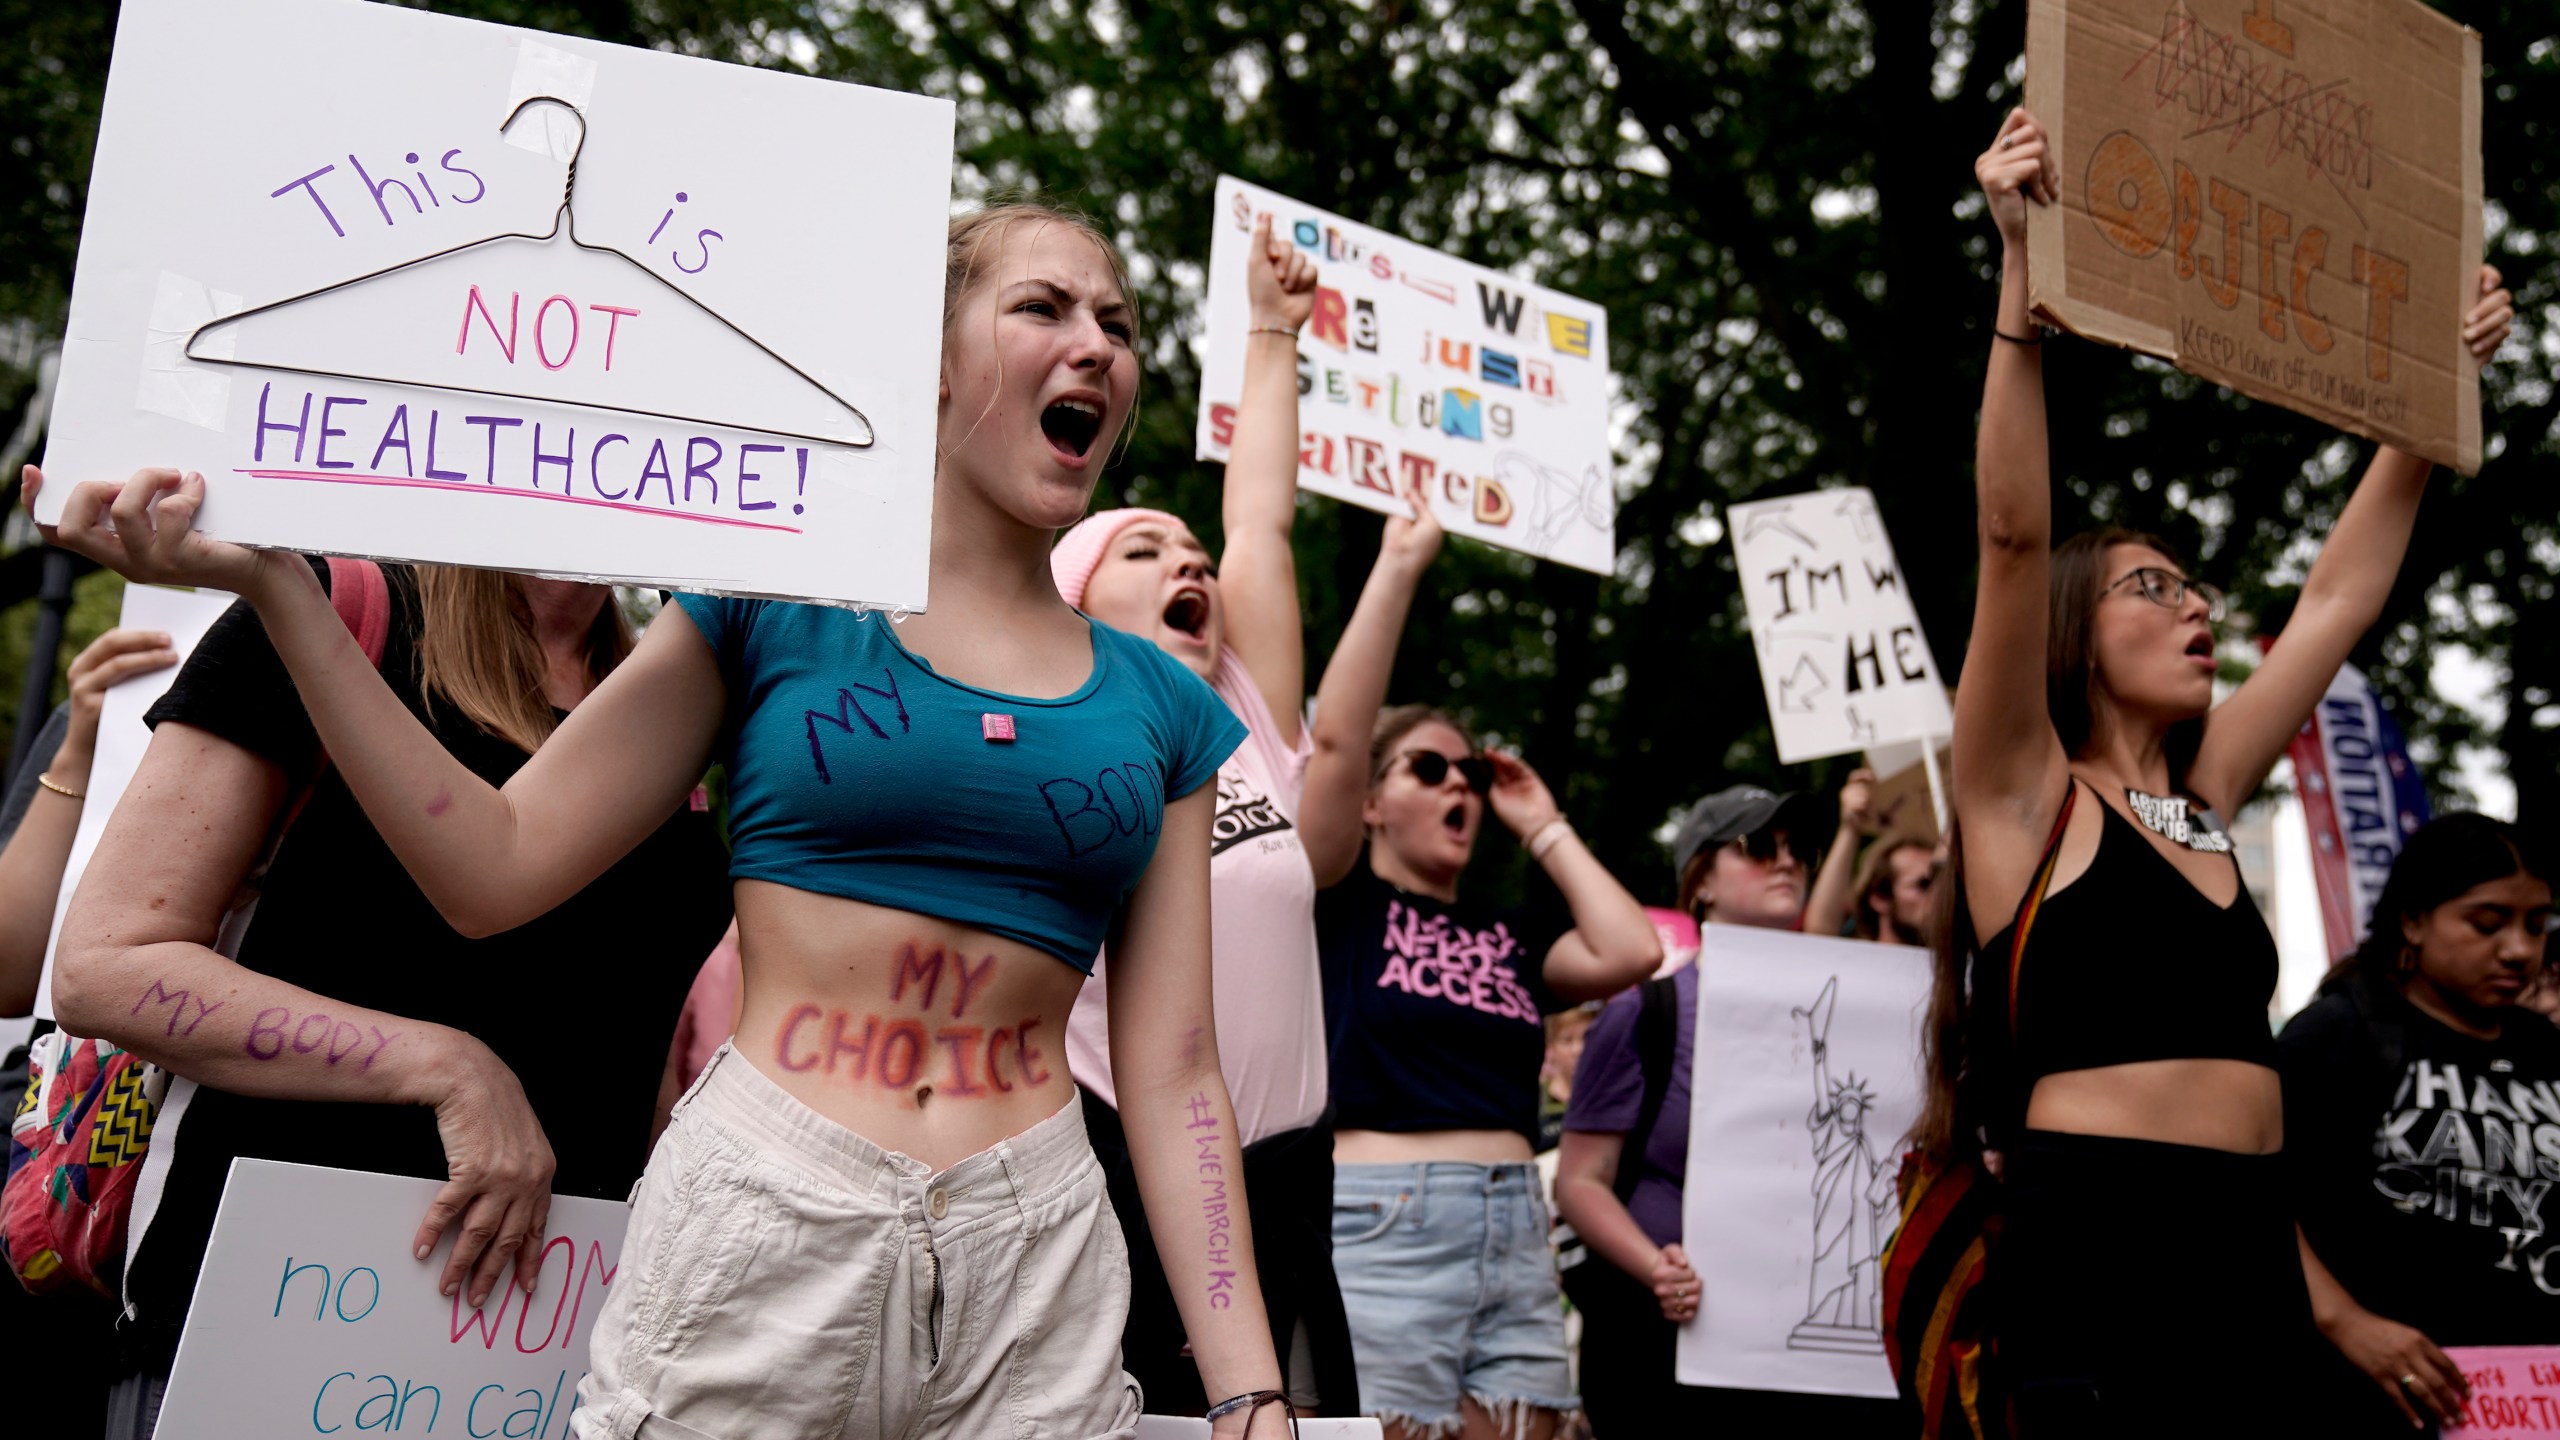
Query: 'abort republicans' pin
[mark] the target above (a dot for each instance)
(998, 728)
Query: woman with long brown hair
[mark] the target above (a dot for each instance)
(467, 1045)
(876, 1212)
(2138, 1109)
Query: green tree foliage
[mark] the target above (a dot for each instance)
(1774, 199)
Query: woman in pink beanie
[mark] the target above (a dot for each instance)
(1288, 823)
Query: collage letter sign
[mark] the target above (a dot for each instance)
(1416, 366)
(2281, 196)
(311, 1318)
(351, 294)
(1842, 659)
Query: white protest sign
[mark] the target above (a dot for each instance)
(122, 737)
(1807, 1077)
(679, 408)
(1842, 659)
(1492, 392)
(312, 1319)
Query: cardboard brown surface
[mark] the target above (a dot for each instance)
(2282, 196)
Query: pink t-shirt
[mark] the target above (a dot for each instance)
(1262, 934)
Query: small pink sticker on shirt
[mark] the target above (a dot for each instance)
(998, 728)
(700, 800)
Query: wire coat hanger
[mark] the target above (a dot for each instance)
(564, 219)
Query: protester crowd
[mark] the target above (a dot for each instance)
(1238, 1113)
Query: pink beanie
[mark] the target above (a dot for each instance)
(1079, 551)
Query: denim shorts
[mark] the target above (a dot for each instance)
(783, 1276)
(1451, 1291)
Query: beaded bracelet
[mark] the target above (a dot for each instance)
(47, 782)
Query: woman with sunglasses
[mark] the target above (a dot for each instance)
(2416, 1088)
(2132, 1060)
(1435, 1010)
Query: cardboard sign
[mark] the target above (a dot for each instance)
(1842, 659)
(338, 339)
(2282, 196)
(312, 1319)
(1808, 1076)
(2515, 1391)
(122, 737)
(1492, 392)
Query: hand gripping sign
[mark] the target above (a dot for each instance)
(447, 291)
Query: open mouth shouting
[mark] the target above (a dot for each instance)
(1072, 423)
(1187, 614)
(2200, 649)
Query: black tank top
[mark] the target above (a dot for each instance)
(2130, 962)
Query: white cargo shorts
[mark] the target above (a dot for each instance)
(783, 1276)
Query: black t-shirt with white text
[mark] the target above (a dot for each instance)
(2423, 1164)
(1435, 1012)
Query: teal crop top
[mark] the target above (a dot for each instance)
(855, 769)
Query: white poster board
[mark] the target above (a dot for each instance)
(1806, 1079)
(513, 404)
(311, 1317)
(122, 737)
(1842, 659)
(1494, 392)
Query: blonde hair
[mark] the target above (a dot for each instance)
(477, 652)
(976, 239)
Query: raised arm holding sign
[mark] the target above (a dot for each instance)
(2113, 1033)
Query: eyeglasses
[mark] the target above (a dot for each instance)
(2168, 590)
(1430, 767)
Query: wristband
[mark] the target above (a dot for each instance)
(47, 782)
(1250, 1402)
(1273, 330)
(1999, 334)
(1549, 836)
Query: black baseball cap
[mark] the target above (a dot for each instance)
(1728, 815)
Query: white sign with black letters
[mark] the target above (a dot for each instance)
(1842, 659)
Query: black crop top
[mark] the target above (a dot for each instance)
(2130, 962)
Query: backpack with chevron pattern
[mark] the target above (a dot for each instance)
(77, 1143)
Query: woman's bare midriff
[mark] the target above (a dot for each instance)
(1416, 1147)
(924, 1037)
(2212, 1104)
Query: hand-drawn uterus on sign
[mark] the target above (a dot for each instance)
(1854, 1206)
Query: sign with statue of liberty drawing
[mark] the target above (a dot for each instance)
(1807, 1078)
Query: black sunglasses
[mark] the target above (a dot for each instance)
(1762, 845)
(1430, 767)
